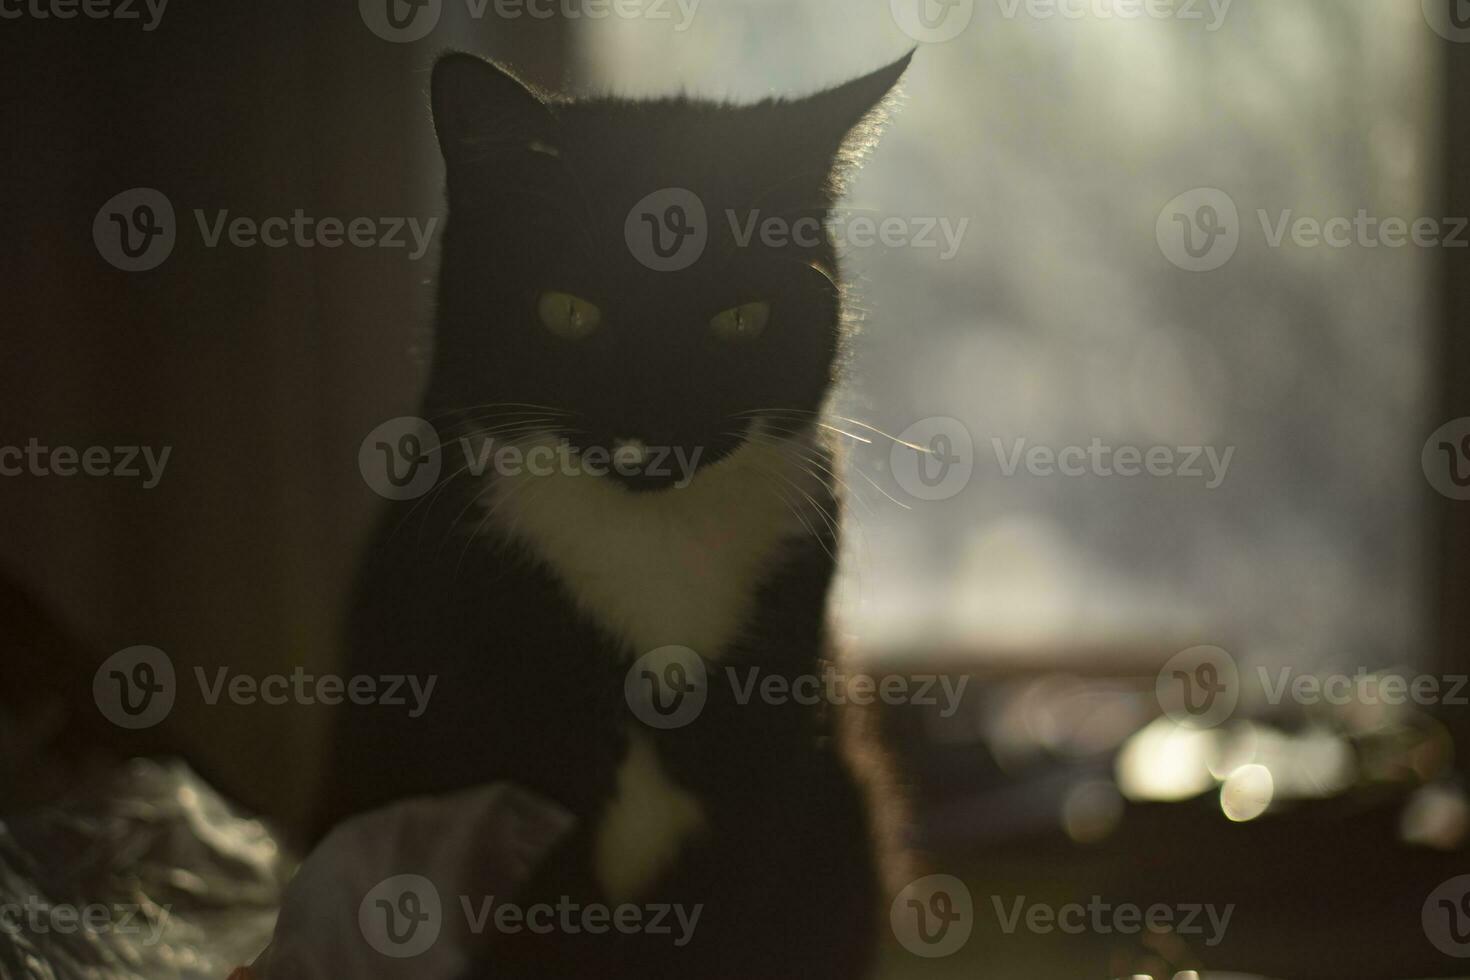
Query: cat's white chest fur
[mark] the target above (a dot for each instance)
(676, 567)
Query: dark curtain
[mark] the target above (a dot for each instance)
(262, 368)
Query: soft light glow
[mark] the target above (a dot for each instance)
(1247, 792)
(1092, 811)
(1436, 816)
(1166, 762)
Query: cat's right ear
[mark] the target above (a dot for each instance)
(481, 110)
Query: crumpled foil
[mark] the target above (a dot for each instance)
(418, 858)
(144, 872)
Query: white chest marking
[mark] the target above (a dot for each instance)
(676, 567)
(672, 567)
(644, 827)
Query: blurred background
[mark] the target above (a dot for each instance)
(1081, 158)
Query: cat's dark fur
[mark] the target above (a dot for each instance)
(530, 684)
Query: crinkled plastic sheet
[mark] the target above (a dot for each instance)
(145, 872)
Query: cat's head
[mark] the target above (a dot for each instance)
(639, 272)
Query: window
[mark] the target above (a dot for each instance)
(1285, 392)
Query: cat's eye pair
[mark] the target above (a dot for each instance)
(572, 318)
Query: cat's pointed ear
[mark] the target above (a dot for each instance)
(846, 121)
(481, 109)
(847, 105)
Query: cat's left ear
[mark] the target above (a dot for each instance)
(481, 110)
(848, 119)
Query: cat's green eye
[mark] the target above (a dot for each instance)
(741, 323)
(569, 317)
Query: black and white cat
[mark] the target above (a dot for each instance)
(710, 523)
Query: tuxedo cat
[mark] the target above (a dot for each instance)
(673, 497)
